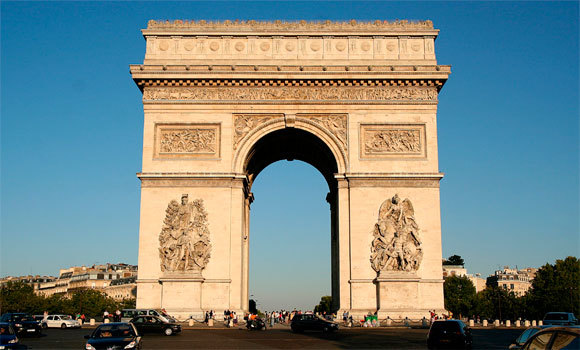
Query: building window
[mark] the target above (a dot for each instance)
(511, 286)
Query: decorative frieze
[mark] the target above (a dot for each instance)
(187, 140)
(392, 140)
(292, 93)
(253, 25)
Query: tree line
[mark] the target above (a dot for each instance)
(17, 296)
(555, 288)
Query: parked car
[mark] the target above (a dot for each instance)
(311, 322)
(116, 335)
(560, 319)
(128, 314)
(525, 335)
(449, 334)
(22, 323)
(155, 324)
(8, 337)
(60, 321)
(554, 338)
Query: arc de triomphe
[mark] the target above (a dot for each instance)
(357, 100)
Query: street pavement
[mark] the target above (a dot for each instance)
(280, 337)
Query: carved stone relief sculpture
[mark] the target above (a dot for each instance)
(184, 244)
(396, 245)
(244, 123)
(393, 140)
(187, 140)
(335, 123)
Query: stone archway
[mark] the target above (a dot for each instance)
(357, 100)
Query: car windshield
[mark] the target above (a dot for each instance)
(114, 331)
(526, 335)
(20, 318)
(6, 330)
(556, 317)
(445, 326)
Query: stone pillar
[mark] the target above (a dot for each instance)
(496, 323)
(484, 323)
(540, 323)
(508, 323)
(471, 323)
(533, 323)
(518, 323)
(190, 323)
(92, 322)
(344, 245)
(106, 320)
(526, 323)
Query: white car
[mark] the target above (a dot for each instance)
(60, 321)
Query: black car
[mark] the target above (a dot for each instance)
(449, 334)
(154, 324)
(113, 336)
(23, 324)
(8, 338)
(310, 322)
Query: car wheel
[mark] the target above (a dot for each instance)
(63, 326)
(168, 331)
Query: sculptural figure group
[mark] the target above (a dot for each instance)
(184, 240)
(396, 245)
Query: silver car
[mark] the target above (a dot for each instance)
(60, 321)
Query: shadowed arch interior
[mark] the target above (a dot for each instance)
(290, 144)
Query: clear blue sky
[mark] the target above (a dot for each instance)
(71, 138)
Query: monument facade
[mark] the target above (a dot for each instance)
(356, 100)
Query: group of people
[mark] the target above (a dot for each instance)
(434, 316)
(115, 317)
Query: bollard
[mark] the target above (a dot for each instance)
(471, 323)
(389, 322)
(496, 323)
(484, 323)
(517, 323)
(92, 322)
(526, 323)
(106, 320)
(533, 323)
(424, 323)
(508, 323)
(210, 322)
(190, 322)
(540, 323)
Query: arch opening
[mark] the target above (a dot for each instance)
(296, 144)
(290, 144)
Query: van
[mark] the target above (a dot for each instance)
(128, 314)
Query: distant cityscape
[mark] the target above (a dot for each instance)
(119, 281)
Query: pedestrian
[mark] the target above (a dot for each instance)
(105, 315)
(118, 315)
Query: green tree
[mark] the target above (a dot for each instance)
(325, 305)
(17, 296)
(497, 303)
(459, 293)
(454, 260)
(555, 288)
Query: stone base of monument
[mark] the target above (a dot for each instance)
(181, 294)
(402, 294)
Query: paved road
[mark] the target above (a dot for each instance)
(282, 338)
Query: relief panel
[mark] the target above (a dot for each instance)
(392, 141)
(187, 141)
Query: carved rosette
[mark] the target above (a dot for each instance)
(292, 93)
(184, 245)
(396, 245)
(245, 123)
